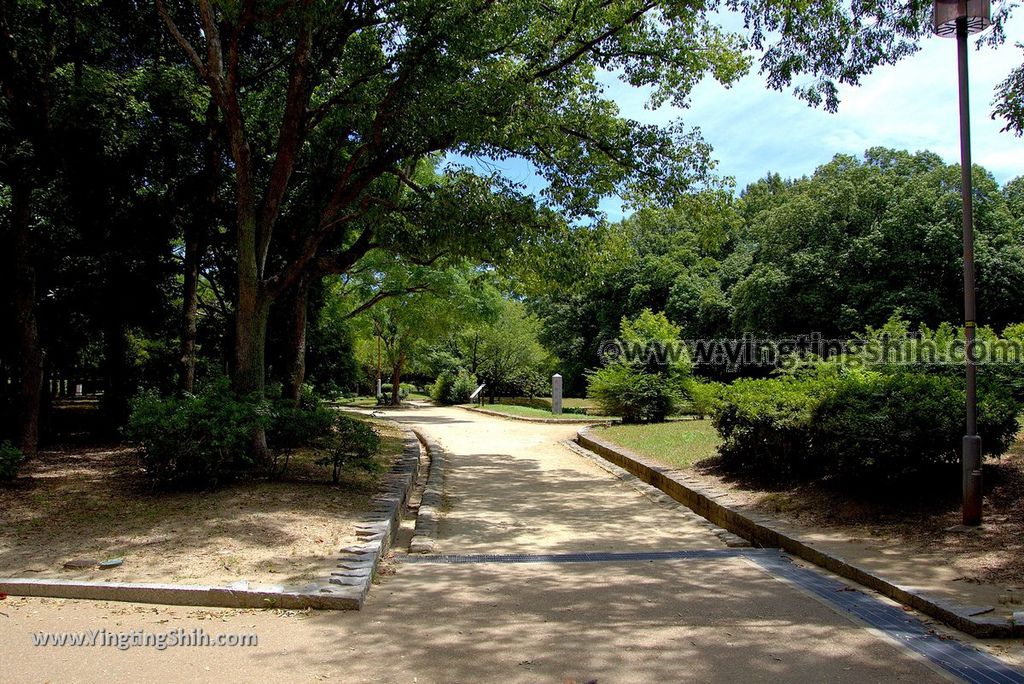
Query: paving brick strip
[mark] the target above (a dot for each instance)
(761, 531)
(425, 534)
(344, 586)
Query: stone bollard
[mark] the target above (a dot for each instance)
(556, 394)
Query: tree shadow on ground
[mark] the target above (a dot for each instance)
(95, 503)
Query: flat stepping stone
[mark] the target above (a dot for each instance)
(79, 563)
(112, 563)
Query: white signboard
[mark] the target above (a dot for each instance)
(476, 392)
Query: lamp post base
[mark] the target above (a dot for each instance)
(972, 480)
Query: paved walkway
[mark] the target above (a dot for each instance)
(511, 489)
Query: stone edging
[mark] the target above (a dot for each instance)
(425, 534)
(761, 531)
(551, 421)
(344, 589)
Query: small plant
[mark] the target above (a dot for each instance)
(198, 440)
(354, 444)
(452, 388)
(308, 425)
(11, 459)
(644, 385)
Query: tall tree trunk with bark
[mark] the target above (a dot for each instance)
(295, 351)
(252, 311)
(190, 310)
(195, 247)
(30, 352)
(117, 382)
(396, 380)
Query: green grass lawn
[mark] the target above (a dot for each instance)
(360, 402)
(531, 412)
(679, 444)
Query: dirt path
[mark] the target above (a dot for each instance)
(514, 489)
(511, 488)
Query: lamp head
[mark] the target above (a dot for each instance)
(946, 12)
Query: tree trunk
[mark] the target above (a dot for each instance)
(30, 353)
(117, 389)
(250, 354)
(195, 247)
(190, 310)
(295, 351)
(251, 313)
(396, 380)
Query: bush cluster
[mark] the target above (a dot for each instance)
(199, 439)
(404, 390)
(11, 459)
(453, 388)
(855, 425)
(205, 439)
(647, 387)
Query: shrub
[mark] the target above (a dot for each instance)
(644, 384)
(765, 426)
(198, 440)
(453, 389)
(11, 459)
(855, 426)
(354, 444)
(638, 397)
(310, 424)
(442, 387)
(403, 390)
(463, 387)
(702, 396)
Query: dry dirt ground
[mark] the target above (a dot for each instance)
(915, 540)
(908, 532)
(94, 503)
(511, 488)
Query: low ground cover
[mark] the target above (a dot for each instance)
(542, 412)
(96, 503)
(680, 444)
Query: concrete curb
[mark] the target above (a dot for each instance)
(761, 531)
(656, 496)
(549, 421)
(344, 588)
(425, 534)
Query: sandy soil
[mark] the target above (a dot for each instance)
(93, 503)
(512, 487)
(913, 541)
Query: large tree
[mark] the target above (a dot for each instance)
(363, 89)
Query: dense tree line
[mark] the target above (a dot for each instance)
(832, 253)
(183, 184)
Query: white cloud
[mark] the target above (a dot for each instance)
(911, 105)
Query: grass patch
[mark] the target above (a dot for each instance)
(532, 412)
(679, 444)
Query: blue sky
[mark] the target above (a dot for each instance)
(911, 105)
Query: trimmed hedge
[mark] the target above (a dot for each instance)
(855, 425)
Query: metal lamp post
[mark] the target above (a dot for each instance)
(959, 18)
